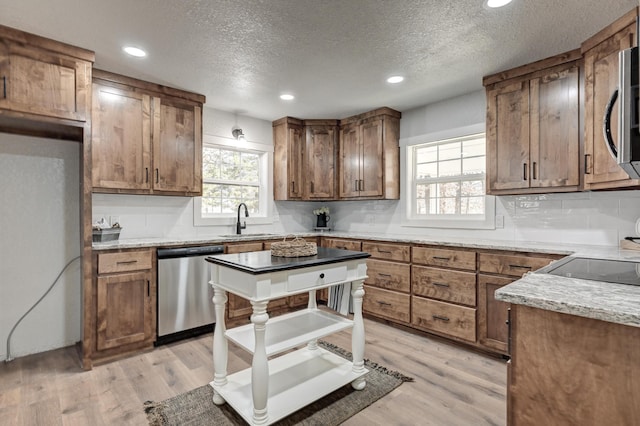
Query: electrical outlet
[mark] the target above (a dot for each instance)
(114, 219)
(370, 219)
(499, 221)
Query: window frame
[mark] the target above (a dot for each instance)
(457, 221)
(265, 216)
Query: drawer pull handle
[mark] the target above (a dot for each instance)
(341, 247)
(441, 284)
(441, 318)
(446, 259)
(384, 275)
(380, 302)
(126, 262)
(148, 289)
(4, 86)
(384, 251)
(520, 266)
(322, 275)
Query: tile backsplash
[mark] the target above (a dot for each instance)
(599, 218)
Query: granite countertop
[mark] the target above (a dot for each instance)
(616, 303)
(612, 302)
(441, 241)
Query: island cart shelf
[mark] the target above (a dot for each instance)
(273, 388)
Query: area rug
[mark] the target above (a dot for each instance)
(196, 407)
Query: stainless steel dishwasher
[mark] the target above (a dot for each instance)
(184, 295)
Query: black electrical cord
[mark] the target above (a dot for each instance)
(36, 304)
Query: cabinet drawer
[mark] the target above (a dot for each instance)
(444, 284)
(387, 251)
(443, 317)
(125, 261)
(457, 259)
(389, 275)
(513, 265)
(324, 276)
(342, 244)
(386, 304)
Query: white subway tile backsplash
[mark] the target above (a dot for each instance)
(600, 218)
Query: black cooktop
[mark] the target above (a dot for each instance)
(610, 271)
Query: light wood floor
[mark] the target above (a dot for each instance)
(453, 386)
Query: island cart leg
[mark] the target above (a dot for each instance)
(357, 334)
(220, 348)
(260, 364)
(312, 304)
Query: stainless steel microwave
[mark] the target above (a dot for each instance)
(627, 153)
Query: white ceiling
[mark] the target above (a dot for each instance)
(333, 55)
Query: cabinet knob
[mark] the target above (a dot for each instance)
(322, 275)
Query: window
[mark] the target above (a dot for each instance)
(232, 175)
(446, 183)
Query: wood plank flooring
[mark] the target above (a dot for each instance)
(453, 385)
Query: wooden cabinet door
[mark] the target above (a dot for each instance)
(493, 330)
(125, 312)
(177, 147)
(39, 82)
(555, 128)
(295, 161)
(371, 164)
(508, 137)
(288, 150)
(120, 138)
(349, 163)
(601, 79)
(320, 145)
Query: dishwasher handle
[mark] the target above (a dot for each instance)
(170, 253)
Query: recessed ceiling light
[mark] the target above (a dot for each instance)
(134, 51)
(497, 3)
(287, 97)
(395, 79)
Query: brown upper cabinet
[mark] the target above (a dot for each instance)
(601, 79)
(320, 148)
(146, 138)
(287, 159)
(533, 127)
(358, 157)
(369, 156)
(42, 78)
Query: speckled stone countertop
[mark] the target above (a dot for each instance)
(442, 241)
(612, 302)
(616, 303)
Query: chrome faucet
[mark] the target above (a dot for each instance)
(239, 226)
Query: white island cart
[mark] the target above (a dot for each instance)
(274, 387)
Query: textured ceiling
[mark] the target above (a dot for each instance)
(333, 55)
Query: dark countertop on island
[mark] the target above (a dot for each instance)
(262, 262)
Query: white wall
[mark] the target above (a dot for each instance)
(39, 234)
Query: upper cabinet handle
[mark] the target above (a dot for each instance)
(157, 175)
(4, 86)
(524, 171)
(534, 169)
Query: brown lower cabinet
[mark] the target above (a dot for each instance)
(447, 318)
(444, 290)
(569, 370)
(125, 302)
